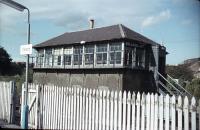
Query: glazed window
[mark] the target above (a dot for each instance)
(67, 56)
(89, 55)
(78, 52)
(48, 57)
(57, 56)
(140, 57)
(101, 54)
(40, 57)
(115, 53)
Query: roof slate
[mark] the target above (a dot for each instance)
(109, 33)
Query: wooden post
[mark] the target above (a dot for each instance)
(152, 112)
(12, 102)
(173, 112)
(148, 110)
(108, 110)
(186, 113)
(133, 111)
(124, 111)
(179, 113)
(138, 112)
(156, 112)
(128, 110)
(161, 107)
(166, 112)
(143, 105)
(193, 113)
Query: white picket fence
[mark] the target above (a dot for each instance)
(92, 109)
(7, 101)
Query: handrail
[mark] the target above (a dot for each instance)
(169, 82)
(179, 85)
(166, 88)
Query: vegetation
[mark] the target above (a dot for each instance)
(12, 71)
(194, 87)
(186, 78)
(181, 72)
(5, 61)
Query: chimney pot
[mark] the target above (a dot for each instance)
(91, 23)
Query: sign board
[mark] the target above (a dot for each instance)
(26, 49)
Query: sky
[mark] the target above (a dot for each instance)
(173, 23)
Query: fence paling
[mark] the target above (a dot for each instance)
(143, 112)
(173, 111)
(167, 112)
(7, 101)
(90, 109)
(179, 113)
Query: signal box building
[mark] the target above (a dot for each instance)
(113, 57)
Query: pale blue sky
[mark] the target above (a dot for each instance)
(175, 23)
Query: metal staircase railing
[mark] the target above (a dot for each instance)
(176, 89)
(180, 87)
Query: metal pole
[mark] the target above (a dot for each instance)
(26, 107)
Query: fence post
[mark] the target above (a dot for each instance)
(107, 110)
(156, 112)
(97, 110)
(148, 110)
(120, 111)
(133, 111)
(115, 110)
(37, 115)
(173, 111)
(12, 102)
(111, 110)
(104, 111)
(138, 111)
(124, 111)
(193, 113)
(128, 110)
(161, 106)
(179, 113)
(167, 112)
(186, 113)
(152, 112)
(22, 101)
(143, 111)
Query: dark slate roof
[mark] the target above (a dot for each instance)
(114, 32)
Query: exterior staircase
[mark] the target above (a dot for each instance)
(171, 87)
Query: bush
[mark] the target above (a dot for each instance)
(194, 87)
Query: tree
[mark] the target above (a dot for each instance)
(5, 61)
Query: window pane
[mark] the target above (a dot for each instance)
(116, 47)
(48, 57)
(40, 57)
(115, 57)
(67, 59)
(101, 48)
(78, 55)
(89, 55)
(68, 50)
(101, 54)
(89, 49)
(89, 59)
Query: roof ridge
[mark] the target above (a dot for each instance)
(122, 31)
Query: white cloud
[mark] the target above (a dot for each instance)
(67, 13)
(152, 20)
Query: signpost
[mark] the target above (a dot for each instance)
(26, 49)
